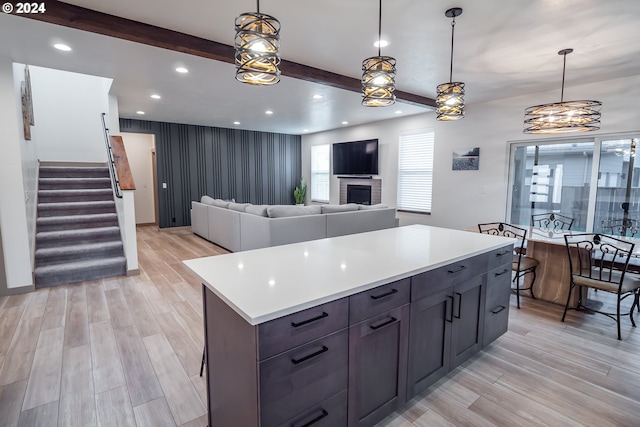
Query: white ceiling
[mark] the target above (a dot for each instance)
(502, 49)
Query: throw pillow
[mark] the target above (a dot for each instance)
(220, 203)
(378, 206)
(207, 200)
(282, 211)
(240, 207)
(260, 210)
(329, 209)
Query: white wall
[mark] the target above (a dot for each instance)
(13, 215)
(67, 108)
(462, 199)
(139, 147)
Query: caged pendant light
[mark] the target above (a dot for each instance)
(563, 117)
(378, 76)
(450, 96)
(257, 46)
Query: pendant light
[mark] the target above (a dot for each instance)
(450, 97)
(257, 46)
(563, 117)
(379, 76)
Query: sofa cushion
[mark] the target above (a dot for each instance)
(378, 206)
(240, 207)
(206, 200)
(260, 210)
(220, 203)
(282, 211)
(329, 209)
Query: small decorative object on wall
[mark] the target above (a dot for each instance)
(27, 81)
(466, 159)
(25, 112)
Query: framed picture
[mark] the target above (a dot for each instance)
(25, 112)
(27, 81)
(466, 159)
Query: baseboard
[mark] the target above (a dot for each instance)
(135, 272)
(16, 291)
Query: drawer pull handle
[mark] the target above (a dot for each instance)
(459, 304)
(446, 308)
(498, 309)
(304, 322)
(507, 252)
(386, 294)
(502, 272)
(322, 415)
(462, 267)
(324, 349)
(385, 323)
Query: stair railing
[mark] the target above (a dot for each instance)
(112, 167)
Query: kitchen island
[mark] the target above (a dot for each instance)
(343, 331)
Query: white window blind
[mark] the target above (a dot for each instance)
(320, 173)
(415, 171)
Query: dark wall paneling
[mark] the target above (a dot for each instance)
(248, 166)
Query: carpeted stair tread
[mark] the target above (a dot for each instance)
(73, 183)
(86, 235)
(79, 271)
(78, 208)
(78, 252)
(69, 222)
(75, 195)
(73, 172)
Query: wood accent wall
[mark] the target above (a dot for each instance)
(248, 166)
(375, 184)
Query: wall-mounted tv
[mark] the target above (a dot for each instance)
(356, 158)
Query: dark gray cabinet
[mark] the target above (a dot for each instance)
(467, 321)
(496, 315)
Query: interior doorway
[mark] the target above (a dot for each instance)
(141, 154)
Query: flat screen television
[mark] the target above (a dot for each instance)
(356, 158)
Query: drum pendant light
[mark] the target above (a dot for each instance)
(378, 76)
(257, 45)
(450, 96)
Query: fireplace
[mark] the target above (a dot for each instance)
(360, 194)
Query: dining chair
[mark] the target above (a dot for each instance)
(520, 264)
(552, 221)
(621, 227)
(598, 261)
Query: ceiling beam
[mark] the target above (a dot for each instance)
(81, 18)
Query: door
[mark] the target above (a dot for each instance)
(468, 319)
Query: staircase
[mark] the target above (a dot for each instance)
(77, 232)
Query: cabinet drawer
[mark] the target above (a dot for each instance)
(431, 282)
(296, 381)
(330, 413)
(498, 284)
(298, 328)
(378, 300)
(500, 256)
(496, 321)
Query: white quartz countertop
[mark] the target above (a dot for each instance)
(264, 284)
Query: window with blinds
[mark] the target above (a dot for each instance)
(320, 173)
(415, 171)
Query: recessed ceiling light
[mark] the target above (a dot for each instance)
(381, 43)
(398, 112)
(156, 96)
(140, 112)
(317, 96)
(62, 47)
(345, 123)
(305, 130)
(236, 122)
(182, 70)
(269, 112)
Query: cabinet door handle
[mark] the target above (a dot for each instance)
(446, 308)
(385, 323)
(498, 309)
(507, 252)
(386, 294)
(324, 349)
(459, 269)
(459, 305)
(313, 421)
(313, 319)
(502, 272)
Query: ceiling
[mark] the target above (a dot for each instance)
(502, 49)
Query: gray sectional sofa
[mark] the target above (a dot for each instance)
(243, 226)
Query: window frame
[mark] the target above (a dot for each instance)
(312, 187)
(430, 168)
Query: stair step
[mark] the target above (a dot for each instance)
(73, 183)
(65, 254)
(49, 239)
(76, 195)
(75, 222)
(75, 208)
(73, 172)
(79, 271)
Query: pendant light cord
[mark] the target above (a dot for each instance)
(379, 25)
(453, 29)
(258, 1)
(564, 67)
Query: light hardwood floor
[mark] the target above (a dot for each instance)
(126, 352)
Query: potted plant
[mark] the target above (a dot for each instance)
(300, 193)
